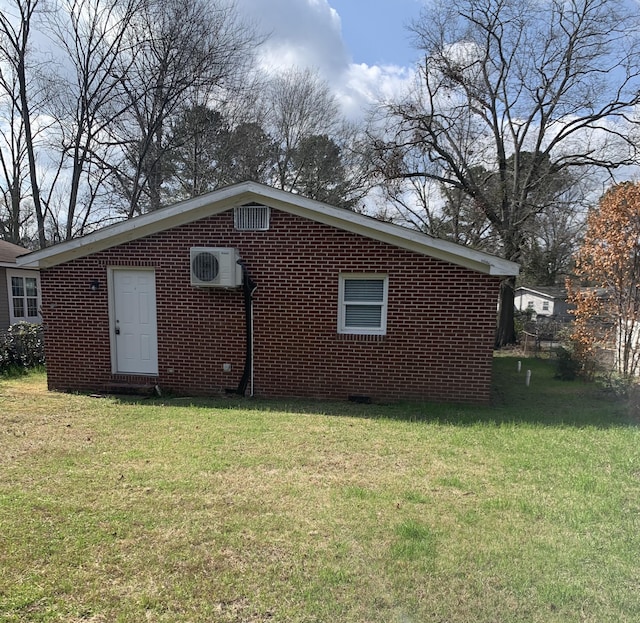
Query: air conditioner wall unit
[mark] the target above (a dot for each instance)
(215, 267)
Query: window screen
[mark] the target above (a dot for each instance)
(363, 304)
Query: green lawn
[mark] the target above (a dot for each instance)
(253, 511)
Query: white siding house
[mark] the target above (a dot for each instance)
(19, 288)
(543, 301)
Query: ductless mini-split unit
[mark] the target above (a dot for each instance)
(215, 267)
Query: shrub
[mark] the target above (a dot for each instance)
(567, 366)
(577, 357)
(616, 384)
(22, 347)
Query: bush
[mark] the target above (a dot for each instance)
(22, 347)
(567, 366)
(577, 357)
(616, 384)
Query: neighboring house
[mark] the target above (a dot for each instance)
(19, 288)
(544, 301)
(335, 305)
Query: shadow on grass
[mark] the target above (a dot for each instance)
(547, 401)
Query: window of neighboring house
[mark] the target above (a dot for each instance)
(363, 304)
(24, 297)
(530, 305)
(545, 306)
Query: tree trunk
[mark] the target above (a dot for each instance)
(15, 220)
(33, 174)
(505, 331)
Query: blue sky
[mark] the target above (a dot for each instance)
(375, 32)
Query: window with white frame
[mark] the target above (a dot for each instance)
(363, 304)
(24, 296)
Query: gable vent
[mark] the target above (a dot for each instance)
(251, 217)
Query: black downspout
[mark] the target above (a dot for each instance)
(248, 288)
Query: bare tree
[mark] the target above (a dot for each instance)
(184, 53)
(318, 151)
(510, 94)
(15, 39)
(299, 104)
(13, 165)
(555, 234)
(84, 101)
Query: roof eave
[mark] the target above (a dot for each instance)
(397, 236)
(144, 225)
(239, 194)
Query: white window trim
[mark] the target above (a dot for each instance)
(16, 272)
(342, 305)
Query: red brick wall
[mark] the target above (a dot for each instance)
(440, 321)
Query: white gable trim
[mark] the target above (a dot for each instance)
(226, 198)
(524, 291)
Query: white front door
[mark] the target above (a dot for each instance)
(134, 331)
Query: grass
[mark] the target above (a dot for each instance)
(253, 511)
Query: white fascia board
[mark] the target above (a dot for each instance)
(16, 266)
(402, 237)
(138, 227)
(534, 292)
(239, 194)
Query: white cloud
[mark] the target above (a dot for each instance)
(361, 86)
(308, 33)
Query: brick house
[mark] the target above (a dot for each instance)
(325, 303)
